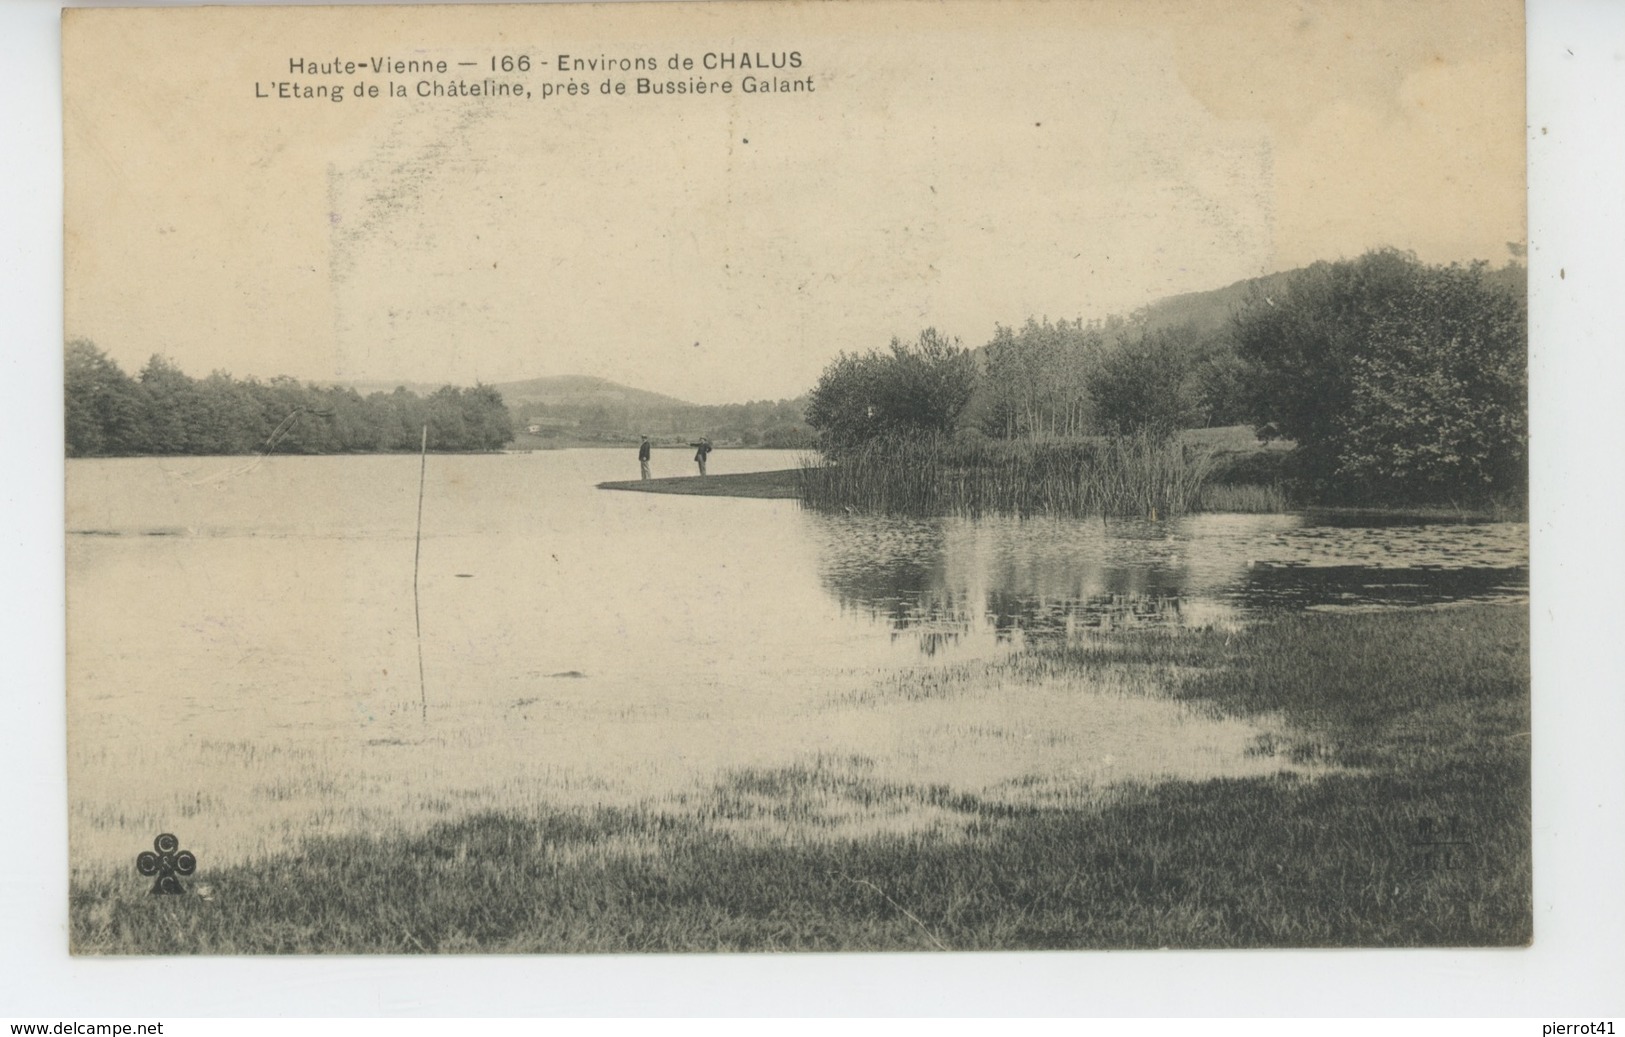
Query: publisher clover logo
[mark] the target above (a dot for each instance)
(166, 864)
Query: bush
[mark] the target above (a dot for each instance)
(1396, 379)
(1251, 468)
(1148, 385)
(788, 437)
(911, 390)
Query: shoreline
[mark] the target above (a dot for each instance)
(783, 484)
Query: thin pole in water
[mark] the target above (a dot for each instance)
(417, 553)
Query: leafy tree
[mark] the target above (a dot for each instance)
(1439, 401)
(231, 421)
(1222, 391)
(1393, 377)
(352, 421)
(1147, 384)
(843, 407)
(174, 409)
(1300, 346)
(1037, 379)
(911, 390)
(298, 411)
(929, 385)
(103, 406)
(788, 437)
(448, 422)
(488, 423)
(403, 419)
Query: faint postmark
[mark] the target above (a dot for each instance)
(1439, 844)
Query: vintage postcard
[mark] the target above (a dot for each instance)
(803, 476)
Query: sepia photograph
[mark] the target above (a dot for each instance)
(797, 477)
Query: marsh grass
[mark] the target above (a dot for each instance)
(1126, 475)
(1246, 498)
(1417, 834)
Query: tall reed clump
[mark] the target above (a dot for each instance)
(1140, 474)
(1249, 498)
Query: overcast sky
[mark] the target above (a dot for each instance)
(956, 165)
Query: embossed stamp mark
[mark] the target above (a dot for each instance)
(1438, 846)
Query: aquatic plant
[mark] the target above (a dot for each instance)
(1139, 474)
(1249, 498)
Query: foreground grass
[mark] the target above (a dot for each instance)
(1419, 837)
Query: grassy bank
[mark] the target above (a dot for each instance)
(776, 485)
(1086, 477)
(1415, 832)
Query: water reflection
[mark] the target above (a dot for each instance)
(1324, 586)
(243, 650)
(945, 583)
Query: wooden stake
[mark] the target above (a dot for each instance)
(417, 554)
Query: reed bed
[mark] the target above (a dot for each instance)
(1125, 475)
(1248, 498)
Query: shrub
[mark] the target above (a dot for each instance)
(1396, 379)
(912, 389)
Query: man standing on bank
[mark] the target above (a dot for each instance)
(643, 457)
(702, 451)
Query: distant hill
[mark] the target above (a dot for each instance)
(580, 410)
(368, 387)
(583, 391)
(1210, 311)
(560, 390)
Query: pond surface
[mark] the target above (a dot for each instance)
(1019, 580)
(244, 653)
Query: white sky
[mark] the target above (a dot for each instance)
(958, 166)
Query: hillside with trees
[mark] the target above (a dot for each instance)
(1396, 381)
(575, 409)
(162, 410)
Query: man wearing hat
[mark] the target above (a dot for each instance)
(643, 457)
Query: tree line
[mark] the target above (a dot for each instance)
(771, 424)
(1396, 380)
(165, 411)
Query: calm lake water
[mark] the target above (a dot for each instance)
(244, 669)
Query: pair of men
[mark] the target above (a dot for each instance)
(701, 452)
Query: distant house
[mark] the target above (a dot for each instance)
(541, 426)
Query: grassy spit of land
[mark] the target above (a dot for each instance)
(781, 484)
(1201, 470)
(1417, 833)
